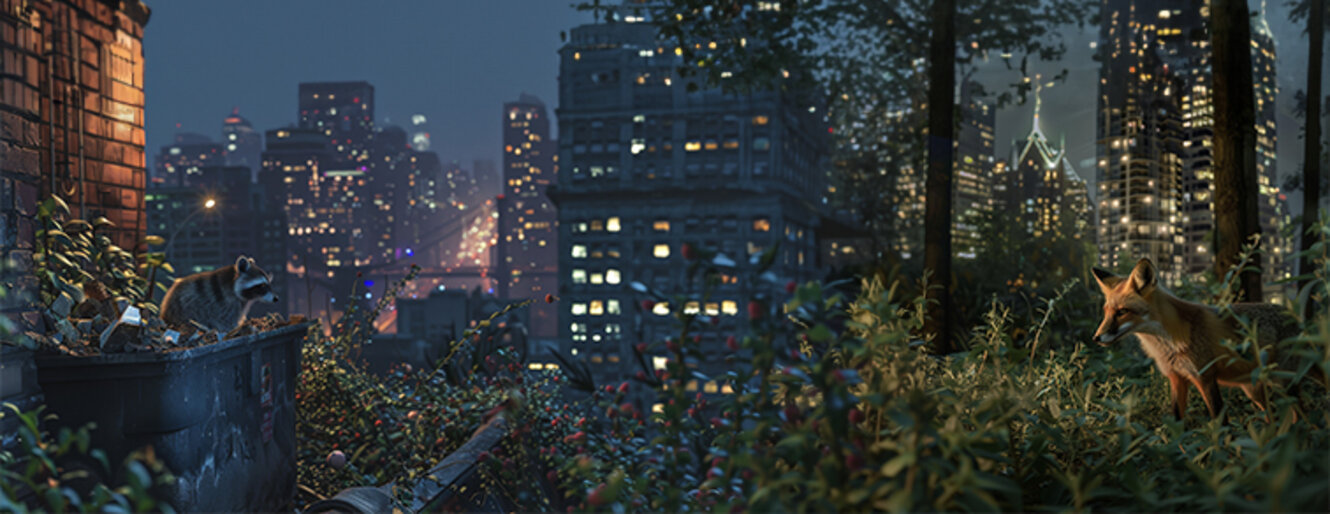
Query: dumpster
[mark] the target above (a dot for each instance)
(18, 386)
(220, 417)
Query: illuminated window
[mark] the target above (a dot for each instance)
(760, 120)
(612, 224)
(578, 309)
(612, 307)
(662, 251)
(657, 408)
(761, 143)
(579, 276)
(661, 309)
(762, 225)
(711, 145)
(597, 308)
(690, 308)
(612, 276)
(713, 309)
(658, 362)
(731, 145)
(597, 278)
(579, 251)
(597, 225)
(711, 387)
(692, 146)
(729, 307)
(597, 358)
(661, 226)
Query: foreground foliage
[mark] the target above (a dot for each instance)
(836, 406)
(61, 474)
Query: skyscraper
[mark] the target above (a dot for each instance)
(294, 164)
(344, 113)
(972, 191)
(1155, 133)
(647, 167)
(527, 258)
(1043, 191)
(243, 144)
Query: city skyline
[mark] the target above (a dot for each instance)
(460, 110)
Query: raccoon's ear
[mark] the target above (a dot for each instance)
(1143, 276)
(1107, 280)
(242, 264)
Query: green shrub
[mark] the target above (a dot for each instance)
(47, 474)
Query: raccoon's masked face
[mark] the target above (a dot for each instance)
(252, 283)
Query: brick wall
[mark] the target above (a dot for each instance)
(71, 122)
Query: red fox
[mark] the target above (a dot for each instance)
(1184, 337)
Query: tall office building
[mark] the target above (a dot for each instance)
(645, 167)
(179, 163)
(527, 257)
(1043, 191)
(1140, 133)
(295, 162)
(972, 189)
(1155, 131)
(243, 144)
(344, 113)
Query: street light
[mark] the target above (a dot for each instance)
(208, 204)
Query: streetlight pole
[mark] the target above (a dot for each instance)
(208, 204)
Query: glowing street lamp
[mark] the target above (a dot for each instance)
(208, 204)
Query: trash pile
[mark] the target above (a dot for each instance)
(99, 327)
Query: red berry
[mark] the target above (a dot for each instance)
(648, 305)
(754, 310)
(597, 496)
(732, 343)
(640, 347)
(641, 375)
(688, 252)
(856, 416)
(790, 286)
(697, 338)
(854, 461)
(549, 298)
(623, 388)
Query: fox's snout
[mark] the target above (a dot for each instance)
(1108, 335)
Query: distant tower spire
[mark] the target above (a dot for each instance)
(1038, 88)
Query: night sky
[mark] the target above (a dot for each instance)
(457, 61)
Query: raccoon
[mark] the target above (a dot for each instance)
(218, 299)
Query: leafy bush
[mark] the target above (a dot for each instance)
(55, 474)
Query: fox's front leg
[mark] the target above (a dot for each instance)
(1179, 388)
(1209, 388)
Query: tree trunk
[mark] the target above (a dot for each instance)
(937, 188)
(1236, 185)
(1311, 156)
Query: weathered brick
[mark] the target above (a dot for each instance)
(25, 198)
(6, 194)
(7, 231)
(24, 232)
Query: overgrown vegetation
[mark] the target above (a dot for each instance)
(62, 474)
(355, 428)
(835, 405)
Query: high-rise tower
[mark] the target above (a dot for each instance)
(527, 258)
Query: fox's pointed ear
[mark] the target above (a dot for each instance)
(1107, 280)
(1143, 276)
